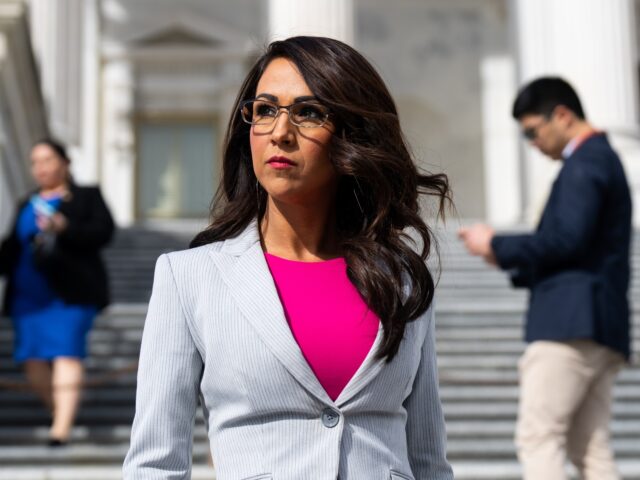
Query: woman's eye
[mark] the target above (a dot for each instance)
(264, 110)
(310, 112)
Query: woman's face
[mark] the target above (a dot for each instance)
(291, 163)
(48, 169)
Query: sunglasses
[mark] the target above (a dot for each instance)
(531, 133)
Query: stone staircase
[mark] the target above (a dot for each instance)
(479, 340)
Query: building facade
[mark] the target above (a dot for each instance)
(141, 90)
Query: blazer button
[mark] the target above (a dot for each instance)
(330, 418)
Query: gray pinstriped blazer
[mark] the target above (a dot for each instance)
(216, 328)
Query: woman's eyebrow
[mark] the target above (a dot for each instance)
(274, 99)
(304, 98)
(268, 96)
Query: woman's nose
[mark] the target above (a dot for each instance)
(282, 128)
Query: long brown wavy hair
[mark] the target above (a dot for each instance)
(378, 184)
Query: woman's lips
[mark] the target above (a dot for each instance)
(280, 162)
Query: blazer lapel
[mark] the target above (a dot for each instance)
(368, 370)
(244, 269)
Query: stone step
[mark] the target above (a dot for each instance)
(482, 361)
(456, 319)
(461, 348)
(88, 453)
(87, 415)
(483, 393)
(95, 364)
(489, 449)
(511, 470)
(504, 429)
(506, 410)
(474, 293)
(88, 472)
(498, 334)
(112, 336)
(499, 307)
(14, 435)
(456, 377)
(104, 396)
(129, 350)
(462, 259)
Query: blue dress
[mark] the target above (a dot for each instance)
(45, 326)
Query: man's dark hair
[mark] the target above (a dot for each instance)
(543, 95)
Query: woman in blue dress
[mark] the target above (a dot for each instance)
(57, 282)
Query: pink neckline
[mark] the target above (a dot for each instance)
(320, 262)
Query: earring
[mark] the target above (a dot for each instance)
(258, 202)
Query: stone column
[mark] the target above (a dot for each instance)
(90, 94)
(57, 36)
(500, 142)
(327, 18)
(118, 156)
(22, 113)
(591, 43)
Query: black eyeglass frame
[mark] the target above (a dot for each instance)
(287, 108)
(531, 133)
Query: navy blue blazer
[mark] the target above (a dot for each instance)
(577, 262)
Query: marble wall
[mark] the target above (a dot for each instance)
(430, 53)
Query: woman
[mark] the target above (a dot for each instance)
(57, 282)
(303, 316)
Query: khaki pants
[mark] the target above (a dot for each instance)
(565, 409)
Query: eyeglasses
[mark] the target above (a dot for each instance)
(531, 133)
(263, 113)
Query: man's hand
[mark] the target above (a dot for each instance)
(477, 240)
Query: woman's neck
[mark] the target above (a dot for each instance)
(299, 232)
(60, 189)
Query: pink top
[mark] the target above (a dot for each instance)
(327, 316)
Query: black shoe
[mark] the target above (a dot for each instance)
(56, 442)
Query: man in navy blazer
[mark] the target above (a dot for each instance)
(576, 265)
